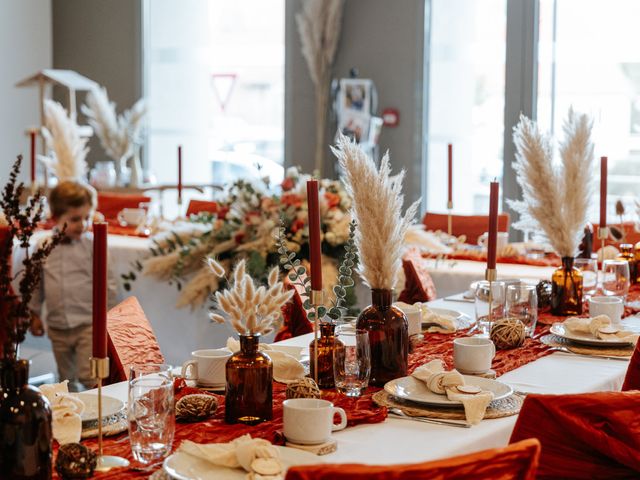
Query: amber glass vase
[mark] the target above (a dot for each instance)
(25, 425)
(326, 347)
(388, 338)
(626, 253)
(566, 289)
(249, 395)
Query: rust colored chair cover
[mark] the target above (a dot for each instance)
(470, 225)
(197, 206)
(110, 204)
(418, 285)
(295, 321)
(515, 462)
(131, 340)
(632, 378)
(592, 435)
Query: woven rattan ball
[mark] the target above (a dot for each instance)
(196, 407)
(303, 388)
(508, 333)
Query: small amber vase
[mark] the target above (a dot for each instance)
(636, 255)
(388, 337)
(626, 253)
(249, 395)
(566, 289)
(25, 425)
(326, 346)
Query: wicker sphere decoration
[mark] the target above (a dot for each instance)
(304, 388)
(196, 407)
(508, 333)
(75, 461)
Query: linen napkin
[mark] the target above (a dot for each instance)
(65, 412)
(255, 455)
(443, 382)
(286, 368)
(435, 322)
(600, 327)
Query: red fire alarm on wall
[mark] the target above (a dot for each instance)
(391, 117)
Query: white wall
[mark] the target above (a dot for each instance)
(25, 47)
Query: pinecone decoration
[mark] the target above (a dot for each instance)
(75, 461)
(543, 289)
(196, 407)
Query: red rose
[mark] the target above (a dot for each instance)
(297, 225)
(333, 199)
(287, 184)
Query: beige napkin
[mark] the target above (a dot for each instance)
(587, 325)
(255, 455)
(65, 412)
(286, 368)
(437, 323)
(442, 382)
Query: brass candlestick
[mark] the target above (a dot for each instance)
(603, 234)
(100, 371)
(490, 275)
(317, 299)
(449, 218)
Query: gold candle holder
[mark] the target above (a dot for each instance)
(100, 371)
(603, 234)
(449, 218)
(317, 300)
(490, 275)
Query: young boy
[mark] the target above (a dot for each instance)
(66, 287)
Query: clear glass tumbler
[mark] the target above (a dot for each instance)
(616, 279)
(482, 303)
(151, 413)
(589, 269)
(522, 303)
(351, 360)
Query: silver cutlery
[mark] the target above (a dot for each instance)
(606, 357)
(400, 414)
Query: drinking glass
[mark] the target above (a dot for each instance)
(589, 269)
(151, 412)
(616, 279)
(482, 303)
(351, 361)
(522, 303)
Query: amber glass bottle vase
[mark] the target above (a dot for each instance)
(326, 347)
(566, 289)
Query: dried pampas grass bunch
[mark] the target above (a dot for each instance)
(555, 200)
(250, 310)
(68, 149)
(377, 210)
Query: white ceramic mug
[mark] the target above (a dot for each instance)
(502, 240)
(131, 216)
(207, 367)
(612, 307)
(473, 354)
(309, 421)
(414, 318)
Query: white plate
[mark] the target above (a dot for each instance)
(445, 311)
(293, 350)
(462, 319)
(110, 406)
(585, 338)
(183, 466)
(414, 390)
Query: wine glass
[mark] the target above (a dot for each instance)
(616, 279)
(589, 269)
(522, 303)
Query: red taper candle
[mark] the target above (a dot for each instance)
(315, 250)
(180, 174)
(100, 290)
(450, 179)
(493, 225)
(32, 135)
(603, 192)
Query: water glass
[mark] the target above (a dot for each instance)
(151, 412)
(616, 280)
(351, 361)
(522, 303)
(589, 269)
(497, 291)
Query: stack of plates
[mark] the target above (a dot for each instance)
(587, 338)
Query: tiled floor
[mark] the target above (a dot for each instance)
(43, 365)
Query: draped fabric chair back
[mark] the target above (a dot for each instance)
(110, 204)
(515, 462)
(418, 286)
(470, 225)
(592, 435)
(198, 206)
(295, 318)
(632, 378)
(131, 340)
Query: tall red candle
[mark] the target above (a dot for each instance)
(450, 179)
(315, 250)
(100, 290)
(493, 225)
(180, 174)
(603, 192)
(32, 135)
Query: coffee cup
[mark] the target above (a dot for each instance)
(309, 421)
(473, 355)
(131, 216)
(502, 240)
(207, 367)
(414, 317)
(612, 307)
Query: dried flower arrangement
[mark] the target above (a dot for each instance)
(21, 222)
(554, 200)
(249, 309)
(377, 209)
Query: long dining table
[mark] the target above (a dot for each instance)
(397, 441)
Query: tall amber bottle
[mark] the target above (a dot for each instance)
(626, 253)
(388, 337)
(326, 346)
(637, 257)
(566, 289)
(249, 395)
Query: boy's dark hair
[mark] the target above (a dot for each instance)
(71, 194)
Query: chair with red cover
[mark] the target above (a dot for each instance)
(418, 286)
(591, 435)
(515, 462)
(198, 206)
(295, 321)
(110, 204)
(131, 340)
(470, 225)
(632, 378)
